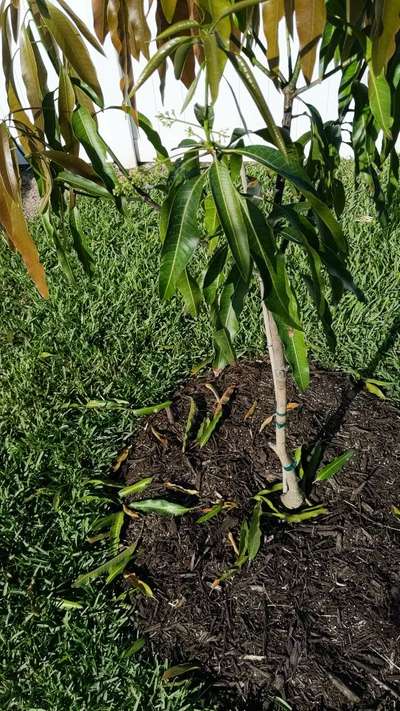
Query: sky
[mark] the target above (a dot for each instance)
(114, 124)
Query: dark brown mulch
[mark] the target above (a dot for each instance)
(315, 619)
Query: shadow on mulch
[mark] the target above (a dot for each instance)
(315, 619)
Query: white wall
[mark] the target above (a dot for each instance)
(114, 125)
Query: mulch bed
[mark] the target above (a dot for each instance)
(315, 619)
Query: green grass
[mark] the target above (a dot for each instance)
(112, 338)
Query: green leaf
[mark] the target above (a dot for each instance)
(79, 241)
(152, 135)
(160, 507)
(177, 28)
(86, 132)
(84, 185)
(306, 514)
(254, 537)
(236, 7)
(374, 390)
(157, 60)
(293, 340)
(62, 255)
(178, 670)
(225, 351)
(249, 80)
(229, 207)
(213, 274)
(182, 236)
(215, 60)
(118, 563)
(135, 488)
(379, 95)
(189, 289)
(115, 531)
(334, 466)
(214, 511)
(134, 648)
(189, 423)
(273, 159)
(262, 246)
(151, 409)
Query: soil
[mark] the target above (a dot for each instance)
(315, 619)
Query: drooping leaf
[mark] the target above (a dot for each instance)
(190, 291)
(162, 507)
(261, 241)
(273, 11)
(30, 75)
(70, 41)
(310, 22)
(214, 273)
(80, 242)
(380, 100)
(12, 218)
(334, 466)
(293, 171)
(81, 26)
(384, 45)
(229, 207)
(182, 236)
(249, 80)
(86, 132)
(66, 105)
(152, 135)
(157, 60)
(99, 9)
(294, 340)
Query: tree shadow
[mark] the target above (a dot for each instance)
(334, 421)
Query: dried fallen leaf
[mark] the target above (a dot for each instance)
(129, 512)
(250, 412)
(138, 584)
(176, 487)
(292, 406)
(266, 422)
(213, 390)
(232, 542)
(216, 584)
(122, 457)
(163, 440)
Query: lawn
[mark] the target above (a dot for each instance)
(111, 338)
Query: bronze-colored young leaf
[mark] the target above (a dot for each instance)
(310, 22)
(12, 218)
(72, 45)
(99, 9)
(273, 11)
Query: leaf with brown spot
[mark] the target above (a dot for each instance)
(181, 489)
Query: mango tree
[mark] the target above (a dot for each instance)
(209, 204)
